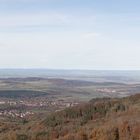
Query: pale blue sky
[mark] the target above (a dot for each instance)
(70, 34)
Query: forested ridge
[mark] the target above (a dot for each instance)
(99, 119)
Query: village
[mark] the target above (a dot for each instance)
(23, 108)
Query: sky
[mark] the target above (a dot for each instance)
(70, 34)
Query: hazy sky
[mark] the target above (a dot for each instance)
(70, 34)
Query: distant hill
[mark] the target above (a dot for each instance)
(21, 93)
(99, 119)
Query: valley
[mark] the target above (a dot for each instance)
(69, 108)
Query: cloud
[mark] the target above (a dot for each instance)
(45, 20)
(22, 20)
(90, 35)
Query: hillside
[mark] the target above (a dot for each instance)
(99, 119)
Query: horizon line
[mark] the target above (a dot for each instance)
(72, 69)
